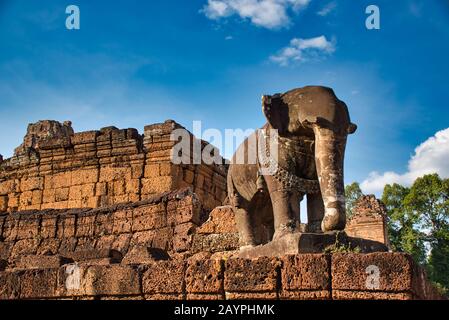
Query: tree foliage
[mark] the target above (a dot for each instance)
(418, 223)
(352, 194)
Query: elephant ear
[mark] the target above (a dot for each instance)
(276, 112)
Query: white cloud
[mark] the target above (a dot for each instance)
(430, 157)
(330, 7)
(229, 38)
(301, 50)
(270, 14)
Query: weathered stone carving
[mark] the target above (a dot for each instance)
(369, 220)
(313, 126)
(43, 131)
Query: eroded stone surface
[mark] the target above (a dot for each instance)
(351, 272)
(205, 277)
(259, 275)
(164, 277)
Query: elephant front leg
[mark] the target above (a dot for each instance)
(286, 211)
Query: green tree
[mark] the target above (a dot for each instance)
(352, 193)
(418, 223)
(403, 235)
(429, 198)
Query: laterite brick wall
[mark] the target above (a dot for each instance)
(100, 168)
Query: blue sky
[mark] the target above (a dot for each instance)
(138, 62)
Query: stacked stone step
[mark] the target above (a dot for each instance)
(167, 222)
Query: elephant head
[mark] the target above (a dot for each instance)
(317, 113)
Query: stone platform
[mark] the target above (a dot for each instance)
(291, 277)
(295, 243)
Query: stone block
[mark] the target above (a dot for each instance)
(104, 223)
(67, 246)
(157, 185)
(28, 227)
(80, 192)
(215, 242)
(38, 284)
(162, 238)
(306, 272)
(48, 226)
(144, 255)
(49, 247)
(66, 226)
(40, 262)
(167, 169)
(101, 189)
(9, 285)
(80, 138)
(164, 277)
(388, 272)
(24, 247)
(30, 184)
(7, 187)
(149, 217)
(258, 275)
(96, 281)
(25, 200)
(10, 227)
(85, 176)
(122, 242)
(59, 180)
(205, 277)
(187, 209)
(118, 188)
(85, 224)
(13, 202)
(221, 220)
(108, 174)
(305, 277)
(152, 170)
(105, 242)
(183, 236)
(95, 254)
(132, 186)
(122, 221)
(49, 196)
(144, 238)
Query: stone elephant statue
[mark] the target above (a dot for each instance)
(313, 125)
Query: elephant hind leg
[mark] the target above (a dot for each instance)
(315, 212)
(245, 227)
(262, 215)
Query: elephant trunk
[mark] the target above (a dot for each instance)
(329, 157)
